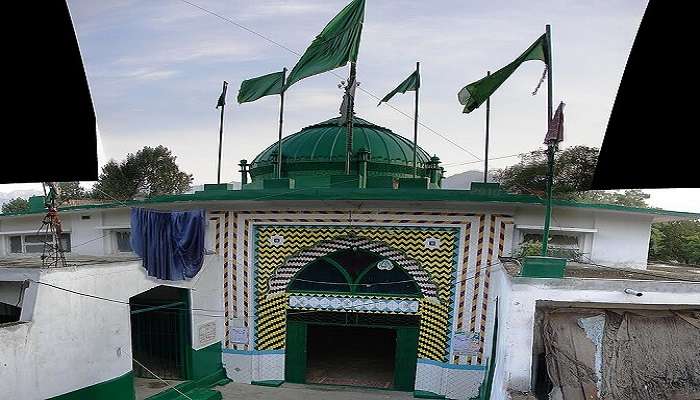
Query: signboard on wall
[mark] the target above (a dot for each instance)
(207, 333)
(466, 343)
(238, 335)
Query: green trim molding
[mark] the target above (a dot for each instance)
(272, 383)
(119, 388)
(424, 394)
(476, 195)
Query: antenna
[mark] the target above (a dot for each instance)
(53, 252)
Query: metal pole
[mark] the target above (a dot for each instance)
(349, 90)
(486, 149)
(415, 124)
(221, 137)
(550, 148)
(279, 140)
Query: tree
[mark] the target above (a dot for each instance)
(15, 205)
(677, 241)
(70, 191)
(630, 198)
(573, 173)
(151, 171)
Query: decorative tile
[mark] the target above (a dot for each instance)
(354, 303)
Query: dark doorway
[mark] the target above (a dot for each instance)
(356, 356)
(160, 327)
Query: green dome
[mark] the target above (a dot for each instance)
(320, 150)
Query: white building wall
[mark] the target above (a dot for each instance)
(622, 240)
(520, 297)
(85, 234)
(73, 341)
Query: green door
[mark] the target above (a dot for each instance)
(295, 353)
(406, 355)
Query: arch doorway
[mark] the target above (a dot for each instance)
(353, 320)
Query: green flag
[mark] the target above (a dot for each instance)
(475, 93)
(411, 83)
(255, 88)
(337, 44)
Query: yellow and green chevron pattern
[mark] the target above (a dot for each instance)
(439, 263)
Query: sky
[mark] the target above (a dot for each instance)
(155, 69)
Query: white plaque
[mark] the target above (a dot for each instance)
(207, 333)
(238, 335)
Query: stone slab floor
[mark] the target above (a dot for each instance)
(289, 391)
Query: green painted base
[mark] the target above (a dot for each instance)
(424, 394)
(119, 388)
(199, 389)
(274, 183)
(272, 383)
(413, 183)
(543, 267)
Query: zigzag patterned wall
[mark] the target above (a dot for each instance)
(439, 263)
(251, 262)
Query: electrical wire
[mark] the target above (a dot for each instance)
(374, 96)
(639, 272)
(160, 379)
(491, 265)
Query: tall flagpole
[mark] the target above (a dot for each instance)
(486, 147)
(350, 93)
(279, 140)
(221, 135)
(550, 148)
(415, 123)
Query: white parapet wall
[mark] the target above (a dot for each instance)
(518, 298)
(70, 341)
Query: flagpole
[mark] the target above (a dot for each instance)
(550, 148)
(350, 105)
(279, 140)
(221, 136)
(486, 147)
(415, 123)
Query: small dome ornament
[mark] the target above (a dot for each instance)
(385, 265)
(276, 240)
(432, 243)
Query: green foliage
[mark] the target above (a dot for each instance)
(529, 248)
(677, 241)
(151, 172)
(70, 191)
(573, 174)
(15, 205)
(534, 248)
(629, 198)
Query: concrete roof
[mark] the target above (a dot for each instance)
(654, 272)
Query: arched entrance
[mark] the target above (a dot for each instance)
(352, 316)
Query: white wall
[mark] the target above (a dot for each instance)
(519, 300)
(621, 240)
(75, 341)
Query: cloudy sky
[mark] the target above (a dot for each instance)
(155, 69)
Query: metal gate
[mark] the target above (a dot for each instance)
(159, 334)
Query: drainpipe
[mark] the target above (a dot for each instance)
(244, 171)
(363, 159)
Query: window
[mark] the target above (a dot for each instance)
(122, 239)
(33, 243)
(11, 299)
(354, 271)
(565, 246)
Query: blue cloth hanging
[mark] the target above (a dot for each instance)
(171, 243)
